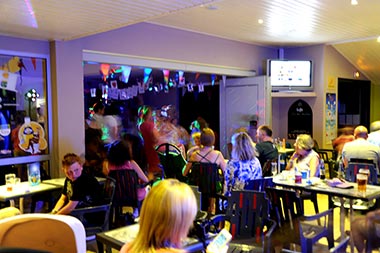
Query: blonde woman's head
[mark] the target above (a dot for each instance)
(167, 214)
(243, 148)
(304, 142)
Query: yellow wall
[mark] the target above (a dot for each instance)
(375, 102)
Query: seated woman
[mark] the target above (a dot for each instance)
(163, 229)
(120, 158)
(304, 157)
(79, 190)
(206, 155)
(244, 166)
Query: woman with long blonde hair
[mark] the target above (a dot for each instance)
(166, 216)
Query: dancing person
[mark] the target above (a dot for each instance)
(150, 136)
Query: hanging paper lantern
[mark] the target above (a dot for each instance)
(104, 69)
(126, 71)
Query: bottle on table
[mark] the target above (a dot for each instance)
(322, 170)
(340, 170)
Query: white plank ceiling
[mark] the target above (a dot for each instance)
(351, 29)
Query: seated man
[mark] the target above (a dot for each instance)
(79, 190)
(361, 148)
(374, 135)
(265, 148)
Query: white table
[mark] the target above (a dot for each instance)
(320, 186)
(116, 238)
(22, 190)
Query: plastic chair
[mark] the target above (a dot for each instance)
(43, 233)
(171, 160)
(293, 226)
(259, 184)
(341, 247)
(247, 213)
(96, 219)
(350, 175)
(127, 185)
(210, 180)
(354, 167)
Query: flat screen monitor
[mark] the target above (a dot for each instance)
(290, 75)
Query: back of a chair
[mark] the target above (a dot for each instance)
(246, 211)
(259, 184)
(354, 167)
(127, 182)
(286, 205)
(208, 176)
(44, 232)
(171, 160)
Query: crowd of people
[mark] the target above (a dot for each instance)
(108, 150)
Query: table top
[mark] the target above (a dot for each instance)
(61, 181)
(116, 238)
(321, 186)
(24, 189)
(285, 150)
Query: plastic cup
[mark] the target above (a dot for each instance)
(361, 180)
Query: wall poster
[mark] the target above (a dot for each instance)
(330, 116)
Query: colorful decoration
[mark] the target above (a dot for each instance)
(201, 87)
(181, 79)
(126, 71)
(147, 72)
(32, 137)
(213, 78)
(34, 63)
(166, 75)
(104, 69)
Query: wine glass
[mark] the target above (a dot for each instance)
(274, 168)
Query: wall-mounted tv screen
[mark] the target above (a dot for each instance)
(290, 75)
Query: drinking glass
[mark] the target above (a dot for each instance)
(9, 181)
(274, 168)
(362, 179)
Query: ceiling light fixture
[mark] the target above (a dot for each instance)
(260, 21)
(354, 2)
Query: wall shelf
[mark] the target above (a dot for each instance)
(293, 94)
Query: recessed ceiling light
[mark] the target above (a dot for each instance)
(260, 21)
(354, 2)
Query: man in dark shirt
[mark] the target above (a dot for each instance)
(265, 148)
(79, 189)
